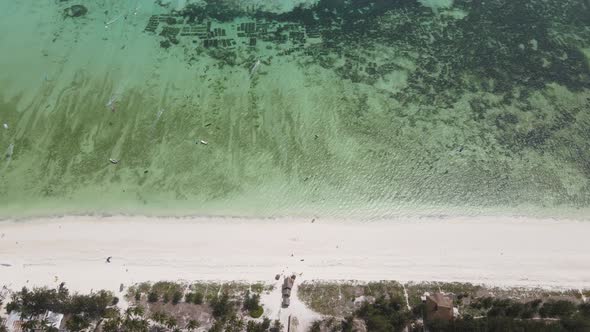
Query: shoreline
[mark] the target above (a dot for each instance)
(432, 213)
(495, 251)
(197, 218)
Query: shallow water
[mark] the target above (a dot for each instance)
(366, 109)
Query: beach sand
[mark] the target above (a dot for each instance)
(490, 250)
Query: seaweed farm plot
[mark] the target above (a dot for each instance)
(259, 36)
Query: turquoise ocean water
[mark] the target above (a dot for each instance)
(357, 108)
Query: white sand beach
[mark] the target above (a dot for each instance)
(490, 250)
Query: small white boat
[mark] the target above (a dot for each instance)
(114, 161)
(10, 151)
(254, 68)
(203, 142)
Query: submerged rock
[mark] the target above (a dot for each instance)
(165, 44)
(75, 11)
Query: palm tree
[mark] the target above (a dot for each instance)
(135, 325)
(171, 322)
(113, 312)
(192, 325)
(159, 317)
(44, 324)
(112, 325)
(144, 325)
(234, 324)
(135, 311)
(139, 310)
(29, 325)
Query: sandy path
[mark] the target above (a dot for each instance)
(489, 250)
